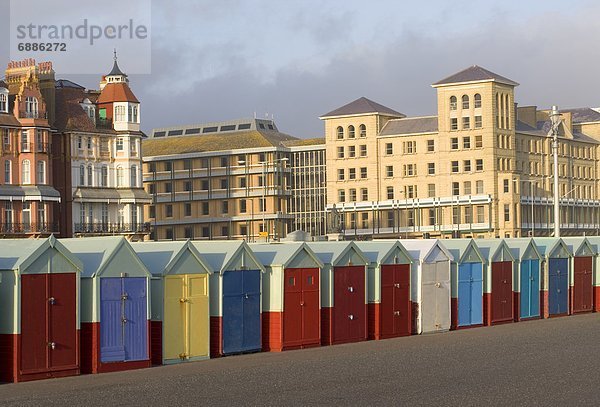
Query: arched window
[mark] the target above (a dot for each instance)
(81, 175)
(7, 172)
(3, 102)
(104, 177)
(363, 131)
(120, 177)
(133, 176)
(90, 176)
(26, 172)
(452, 102)
(340, 133)
(351, 132)
(31, 107)
(477, 100)
(41, 172)
(465, 102)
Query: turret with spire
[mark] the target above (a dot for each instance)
(115, 75)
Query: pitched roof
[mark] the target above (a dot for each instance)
(410, 125)
(3, 84)
(583, 114)
(117, 92)
(8, 119)
(65, 83)
(543, 129)
(161, 257)
(304, 142)
(213, 142)
(69, 115)
(281, 254)
(474, 74)
(362, 106)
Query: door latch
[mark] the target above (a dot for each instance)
(246, 296)
(351, 317)
(397, 285)
(182, 300)
(183, 356)
(124, 297)
(52, 345)
(52, 300)
(397, 313)
(351, 289)
(438, 285)
(124, 320)
(302, 303)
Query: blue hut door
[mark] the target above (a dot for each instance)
(241, 311)
(123, 321)
(558, 286)
(530, 288)
(470, 294)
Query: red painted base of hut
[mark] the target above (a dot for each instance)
(10, 362)
(596, 298)
(272, 331)
(90, 352)
(216, 340)
(374, 311)
(487, 309)
(156, 346)
(453, 313)
(544, 304)
(327, 321)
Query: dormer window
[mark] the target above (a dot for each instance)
(31, 107)
(89, 108)
(3, 100)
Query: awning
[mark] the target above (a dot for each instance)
(41, 193)
(112, 195)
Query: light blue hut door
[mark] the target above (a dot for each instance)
(530, 288)
(470, 294)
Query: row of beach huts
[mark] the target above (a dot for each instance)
(102, 304)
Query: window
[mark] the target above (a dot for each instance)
(224, 162)
(8, 214)
(120, 144)
(81, 175)
(41, 210)
(261, 181)
(6, 138)
(465, 102)
(389, 149)
(168, 166)
(341, 195)
(389, 171)
(452, 102)
(409, 147)
(431, 190)
(431, 168)
(477, 100)
(467, 187)
(187, 186)
(26, 172)
(454, 166)
(479, 187)
(363, 150)
(151, 208)
(187, 164)
(205, 208)
(7, 172)
(390, 192)
(25, 141)
(364, 194)
(39, 141)
(169, 234)
(390, 219)
(506, 186)
(120, 113)
(410, 170)
(363, 131)
(340, 133)
(454, 123)
(3, 102)
(506, 213)
(121, 177)
(90, 176)
(169, 211)
(478, 122)
(454, 143)
(478, 141)
(188, 232)
(223, 183)
(410, 191)
(41, 172)
(205, 231)
(363, 172)
(104, 176)
(168, 187)
(352, 151)
(262, 204)
(89, 143)
(468, 214)
(340, 152)
(243, 206)
(455, 214)
(466, 123)
(467, 165)
(351, 132)
(430, 146)
(340, 175)
(187, 209)
(352, 173)
(352, 195)
(455, 188)
(466, 142)
(225, 207)
(432, 217)
(204, 185)
(364, 220)
(31, 107)
(132, 113)
(242, 182)
(479, 164)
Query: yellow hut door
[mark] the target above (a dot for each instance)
(174, 318)
(197, 316)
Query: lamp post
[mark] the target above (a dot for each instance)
(555, 118)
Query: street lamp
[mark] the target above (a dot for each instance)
(555, 118)
(531, 181)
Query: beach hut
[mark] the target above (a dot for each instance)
(235, 296)
(527, 272)
(343, 292)
(556, 270)
(114, 305)
(581, 290)
(466, 280)
(498, 281)
(39, 313)
(430, 282)
(291, 303)
(595, 243)
(179, 317)
(388, 288)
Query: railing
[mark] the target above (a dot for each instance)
(33, 115)
(26, 147)
(104, 123)
(25, 228)
(102, 227)
(42, 147)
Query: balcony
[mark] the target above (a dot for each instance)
(28, 228)
(24, 114)
(42, 147)
(102, 123)
(111, 228)
(26, 147)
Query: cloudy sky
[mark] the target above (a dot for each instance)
(296, 59)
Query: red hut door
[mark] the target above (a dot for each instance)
(501, 291)
(582, 288)
(395, 300)
(301, 307)
(48, 322)
(349, 319)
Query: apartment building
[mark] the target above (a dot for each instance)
(97, 158)
(481, 167)
(27, 198)
(239, 179)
